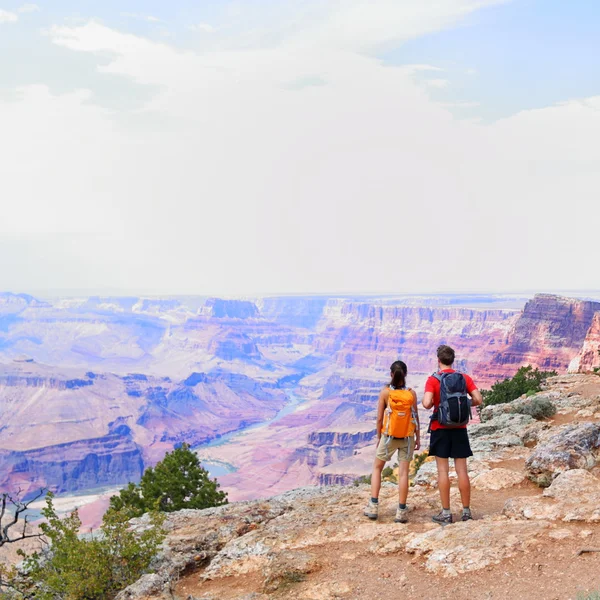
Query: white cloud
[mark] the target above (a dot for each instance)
(228, 182)
(437, 83)
(28, 8)
(149, 18)
(202, 28)
(8, 17)
(412, 69)
(460, 104)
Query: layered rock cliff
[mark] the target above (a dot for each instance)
(110, 460)
(363, 335)
(71, 430)
(588, 358)
(548, 334)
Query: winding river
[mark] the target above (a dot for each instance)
(217, 469)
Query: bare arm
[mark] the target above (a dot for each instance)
(428, 400)
(380, 409)
(476, 398)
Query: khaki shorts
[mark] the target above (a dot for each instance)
(387, 447)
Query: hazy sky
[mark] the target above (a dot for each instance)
(263, 146)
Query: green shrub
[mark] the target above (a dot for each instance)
(538, 408)
(178, 481)
(416, 463)
(590, 596)
(96, 567)
(362, 480)
(527, 380)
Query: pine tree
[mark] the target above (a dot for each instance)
(176, 482)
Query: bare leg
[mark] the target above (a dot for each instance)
(443, 481)
(376, 477)
(464, 485)
(403, 481)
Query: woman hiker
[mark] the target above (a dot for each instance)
(397, 430)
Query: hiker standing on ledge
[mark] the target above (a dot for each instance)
(397, 430)
(451, 394)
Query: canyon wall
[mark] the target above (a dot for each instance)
(195, 369)
(110, 460)
(362, 335)
(588, 357)
(548, 334)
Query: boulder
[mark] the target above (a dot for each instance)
(577, 483)
(573, 496)
(575, 446)
(473, 545)
(497, 479)
(148, 585)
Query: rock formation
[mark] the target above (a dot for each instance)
(548, 334)
(588, 358)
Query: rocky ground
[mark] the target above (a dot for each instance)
(536, 533)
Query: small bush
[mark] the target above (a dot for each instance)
(387, 472)
(96, 567)
(364, 479)
(416, 463)
(590, 596)
(538, 408)
(527, 380)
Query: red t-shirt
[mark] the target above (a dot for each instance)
(433, 385)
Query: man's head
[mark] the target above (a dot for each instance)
(445, 356)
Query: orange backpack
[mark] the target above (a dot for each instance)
(398, 419)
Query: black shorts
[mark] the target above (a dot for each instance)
(450, 443)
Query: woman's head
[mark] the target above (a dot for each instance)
(398, 371)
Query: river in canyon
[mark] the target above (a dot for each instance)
(217, 469)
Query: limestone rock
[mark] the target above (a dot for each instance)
(497, 479)
(575, 446)
(573, 496)
(472, 545)
(577, 483)
(148, 585)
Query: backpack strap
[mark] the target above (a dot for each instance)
(434, 415)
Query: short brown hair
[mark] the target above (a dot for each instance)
(445, 355)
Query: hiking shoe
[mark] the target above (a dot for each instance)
(401, 515)
(442, 519)
(466, 516)
(372, 510)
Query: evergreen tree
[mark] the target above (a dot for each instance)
(178, 481)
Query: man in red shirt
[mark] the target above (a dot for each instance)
(450, 442)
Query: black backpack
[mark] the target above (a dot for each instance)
(455, 405)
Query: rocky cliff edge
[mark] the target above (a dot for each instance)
(536, 533)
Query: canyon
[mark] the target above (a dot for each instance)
(272, 392)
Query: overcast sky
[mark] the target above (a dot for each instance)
(275, 146)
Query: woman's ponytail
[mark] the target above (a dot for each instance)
(399, 371)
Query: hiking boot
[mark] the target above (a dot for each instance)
(466, 516)
(372, 510)
(401, 515)
(442, 519)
